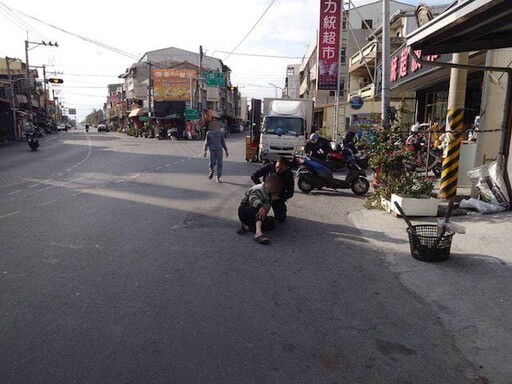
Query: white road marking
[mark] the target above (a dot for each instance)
(14, 192)
(47, 203)
(34, 185)
(119, 181)
(158, 168)
(9, 214)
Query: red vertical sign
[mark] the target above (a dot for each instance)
(328, 44)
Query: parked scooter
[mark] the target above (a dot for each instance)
(417, 143)
(313, 174)
(339, 158)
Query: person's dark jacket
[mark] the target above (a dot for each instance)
(286, 176)
(318, 150)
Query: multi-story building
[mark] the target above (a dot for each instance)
(365, 72)
(292, 82)
(358, 24)
(168, 83)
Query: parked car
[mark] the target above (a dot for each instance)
(62, 127)
(102, 127)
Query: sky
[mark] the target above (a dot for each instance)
(136, 27)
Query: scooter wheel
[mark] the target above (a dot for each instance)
(360, 186)
(305, 184)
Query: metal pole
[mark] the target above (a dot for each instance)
(385, 65)
(13, 99)
(200, 83)
(29, 83)
(455, 125)
(346, 83)
(45, 98)
(338, 81)
(191, 93)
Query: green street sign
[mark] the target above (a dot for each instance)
(143, 118)
(191, 114)
(214, 79)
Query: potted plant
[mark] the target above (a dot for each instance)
(392, 181)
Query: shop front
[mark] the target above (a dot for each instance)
(479, 25)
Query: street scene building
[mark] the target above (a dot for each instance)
(280, 192)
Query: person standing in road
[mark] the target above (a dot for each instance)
(216, 144)
(282, 168)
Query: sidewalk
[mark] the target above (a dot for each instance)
(472, 291)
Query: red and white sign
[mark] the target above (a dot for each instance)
(329, 44)
(403, 64)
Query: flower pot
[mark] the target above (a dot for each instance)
(412, 206)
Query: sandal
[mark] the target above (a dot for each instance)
(262, 239)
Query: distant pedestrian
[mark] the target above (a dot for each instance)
(216, 144)
(255, 206)
(282, 168)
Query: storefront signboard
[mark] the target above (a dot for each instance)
(356, 102)
(403, 67)
(329, 44)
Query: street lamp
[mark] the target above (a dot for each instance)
(276, 87)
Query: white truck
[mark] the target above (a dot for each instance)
(286, 124)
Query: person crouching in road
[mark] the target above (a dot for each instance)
(255, 206)
(281, 168)
(215, 143)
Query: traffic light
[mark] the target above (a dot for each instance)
(55, 81)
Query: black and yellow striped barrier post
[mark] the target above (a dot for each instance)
(450, 172)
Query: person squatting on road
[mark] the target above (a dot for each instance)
(215, 143)
(281, 168)
(255, 206)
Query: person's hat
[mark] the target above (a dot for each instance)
(313, 137)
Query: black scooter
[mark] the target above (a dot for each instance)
(33, 141)
(315, 175)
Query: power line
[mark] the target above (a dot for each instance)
(22, 24)
(250, 31)
(259, 55)
(95, 42)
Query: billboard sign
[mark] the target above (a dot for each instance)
(329, 44)
(212, 94)
(214, 79)
(173, 84)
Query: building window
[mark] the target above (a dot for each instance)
(291, 71)
(367, 24)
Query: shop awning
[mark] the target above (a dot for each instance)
(470, 26)
(137, 112)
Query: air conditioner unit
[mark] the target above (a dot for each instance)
(364, 81)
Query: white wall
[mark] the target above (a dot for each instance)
(493, 102)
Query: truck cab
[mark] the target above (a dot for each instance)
(285, 126)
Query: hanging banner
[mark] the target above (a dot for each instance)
(328, 44)
(173, 84)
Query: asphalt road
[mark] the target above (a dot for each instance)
(119, 263)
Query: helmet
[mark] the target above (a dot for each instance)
(314, 137)
(415, 127)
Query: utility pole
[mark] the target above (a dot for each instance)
(200, 82)
(455, 126)
(29, 92)
(338, 81)
(27, 48)
(13, 99)
(385, 65)
(45, 98)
